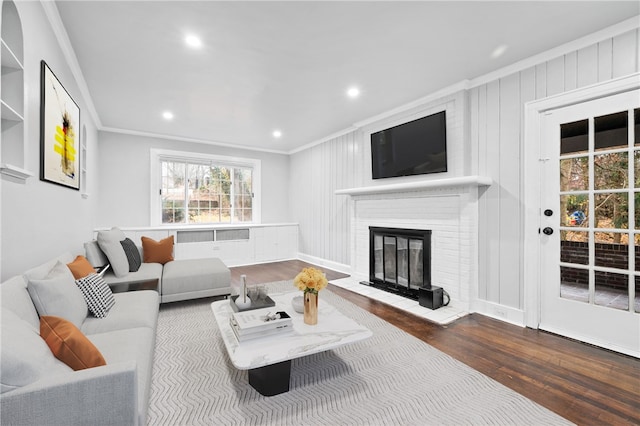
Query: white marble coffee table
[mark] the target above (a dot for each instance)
(268, 359)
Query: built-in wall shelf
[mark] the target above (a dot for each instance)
(10, 114)
(9, 59)
(15, 172)
(233, 243)
(418, 185)
(12, 125)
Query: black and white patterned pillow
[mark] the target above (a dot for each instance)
(97, 294)
(133, 255)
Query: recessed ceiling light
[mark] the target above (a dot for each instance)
(499, 51)
(193, 41)
(353, 92)
(167, 115)
(277, 133)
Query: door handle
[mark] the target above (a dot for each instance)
(547, 231)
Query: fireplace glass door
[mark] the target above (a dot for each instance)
(399, 260)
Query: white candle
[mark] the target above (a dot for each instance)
(243, 280)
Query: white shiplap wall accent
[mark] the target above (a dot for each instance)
(497, 128)
(323, 218)
(492, 125)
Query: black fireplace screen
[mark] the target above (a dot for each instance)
(400, 258)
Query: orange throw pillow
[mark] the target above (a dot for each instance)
(157, 251)
(81, 267)
(68, 344)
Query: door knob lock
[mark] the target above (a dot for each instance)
(547, 231)
(548, 212)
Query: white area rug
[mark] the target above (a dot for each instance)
(390, 379)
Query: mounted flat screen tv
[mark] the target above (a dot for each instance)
(414, 148)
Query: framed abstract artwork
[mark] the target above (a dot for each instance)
(59, 133)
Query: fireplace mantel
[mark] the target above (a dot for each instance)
(417, 186)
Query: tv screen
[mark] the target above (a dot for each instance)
(414, 148)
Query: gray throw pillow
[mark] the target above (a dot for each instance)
(57, 295)
(94, 254)
(133, 255)
(26, 358)
(109, 242)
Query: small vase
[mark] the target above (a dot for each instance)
(310, 308)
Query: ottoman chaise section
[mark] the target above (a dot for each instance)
(194, 278)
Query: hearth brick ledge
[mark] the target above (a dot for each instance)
(444, 315)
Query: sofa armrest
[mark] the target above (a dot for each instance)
(104, 395)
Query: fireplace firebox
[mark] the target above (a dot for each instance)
(400, 261)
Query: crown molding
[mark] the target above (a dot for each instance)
(447, 91)
(186, 139)
(572, 46)
(442, 93)
(60, 32)
(325, 139)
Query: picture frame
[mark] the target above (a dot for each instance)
(59, 132)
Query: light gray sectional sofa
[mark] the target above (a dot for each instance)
(179, 279)
(184, 279)
(38, 389)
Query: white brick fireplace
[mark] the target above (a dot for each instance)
(447, 207)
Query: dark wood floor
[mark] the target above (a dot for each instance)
(582, 383)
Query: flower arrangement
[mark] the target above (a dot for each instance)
(310, 280)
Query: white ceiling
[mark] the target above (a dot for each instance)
(287, 65)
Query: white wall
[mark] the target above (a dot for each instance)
(324, 218)
(497, 129)
(124, 189)
(39, 219)
(493, 147)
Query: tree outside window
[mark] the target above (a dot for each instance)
(204, 193)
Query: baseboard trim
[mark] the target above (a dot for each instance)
(340, 267)
(500, 312)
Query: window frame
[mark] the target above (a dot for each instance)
(159, 155)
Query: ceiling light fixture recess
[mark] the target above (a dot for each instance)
(499, 51)
(353, 92)
(167, 115)
(193, 41)
(277, 133)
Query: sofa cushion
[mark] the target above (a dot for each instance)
(133, 255)
(44, 269)
(157, 251)
(132, 309)
(95, 255)
(80, 267)
(57, 294)
(15, 296)
(185, 275)
(136, 344)
(97, 294)
(68, 344)
(147, 272)
(109, 242)
(26, 358)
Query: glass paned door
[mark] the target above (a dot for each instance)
(590, 238)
